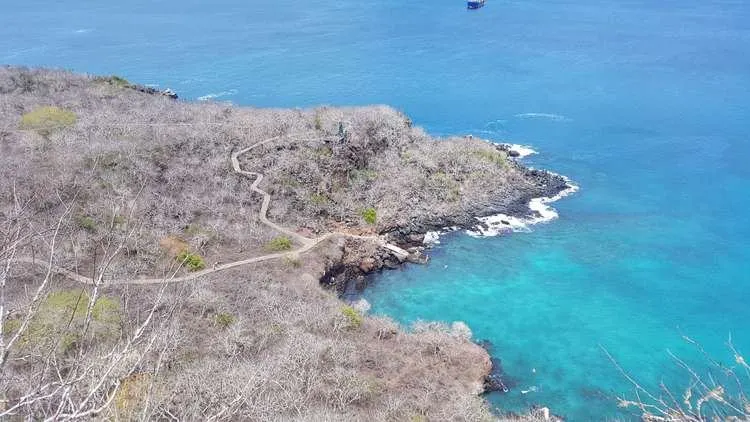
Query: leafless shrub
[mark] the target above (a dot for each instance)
(96, 198)
(708, 397)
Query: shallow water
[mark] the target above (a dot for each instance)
(643, 104)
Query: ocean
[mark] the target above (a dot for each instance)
(643, 104)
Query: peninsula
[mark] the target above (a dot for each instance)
(165, 259)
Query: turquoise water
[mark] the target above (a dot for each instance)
(644, 104)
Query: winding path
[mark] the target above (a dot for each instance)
(266, 197)
(306, 242)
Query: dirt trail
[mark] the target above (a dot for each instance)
(306, 242)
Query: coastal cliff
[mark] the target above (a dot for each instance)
(208, 229)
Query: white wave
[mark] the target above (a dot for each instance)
(362, 306)
(83, 31)
(531, 389)
(522, 150)
(211, 96)
(431, 238)
(549, 116)
(499, 224)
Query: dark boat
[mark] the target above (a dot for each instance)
(474, 4)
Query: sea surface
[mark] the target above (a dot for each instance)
(644, 104)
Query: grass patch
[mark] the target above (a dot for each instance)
(115, 80)
(369, 215)
(224, 319)
(61, 316)
(10, 326)
(448, 187)
(106, 310)
(490, 156)
(192, 229)
(44, 120)
(317, 122)
(85, 222)
(119, 81)
(354, 318)
(118, 220)
(192, 261)
(407, 157)
(319, 199)
(278, 244)
(322, 153)
(364, 175)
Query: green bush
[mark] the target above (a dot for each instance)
(193, 262)
(85, 222)
(118, 220)
(280, 243)
(370, 215)
(318, 122)
(355, 318)
(224, 319)
(10, 326)
(494, 157)
(114, 80)
(46, 119)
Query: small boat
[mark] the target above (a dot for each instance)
(474, 4)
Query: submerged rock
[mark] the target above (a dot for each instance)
(418, 258)
(497, 380)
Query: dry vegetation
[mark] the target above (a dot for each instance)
(113, 183)
(368, 169)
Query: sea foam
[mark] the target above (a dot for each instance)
(212, 96)
(522, 150)
(433, 237)
(498, 224)
(548, 116)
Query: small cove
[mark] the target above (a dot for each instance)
(644, 105)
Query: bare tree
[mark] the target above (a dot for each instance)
(39, 380)
(706, 398)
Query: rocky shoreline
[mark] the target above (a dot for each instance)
(361, 259)
(376, 174)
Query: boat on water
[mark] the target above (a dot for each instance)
(474, 4)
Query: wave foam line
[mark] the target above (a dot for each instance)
(433, 238)
(521, 150)
(549, 116)
(211, 96)
(499, 224)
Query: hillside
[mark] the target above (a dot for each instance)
(147, 280)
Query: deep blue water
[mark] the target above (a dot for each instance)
(652, 100)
